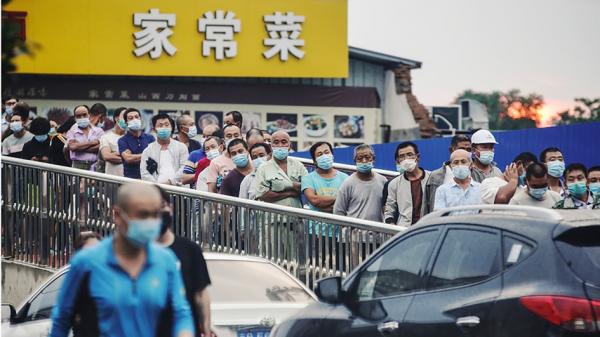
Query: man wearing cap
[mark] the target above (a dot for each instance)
(483, 143)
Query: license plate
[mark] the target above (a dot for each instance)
(254, 333)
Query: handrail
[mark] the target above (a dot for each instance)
(347, 168)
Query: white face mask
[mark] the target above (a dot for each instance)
(408, 164)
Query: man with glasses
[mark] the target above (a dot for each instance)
(405, 205)
(360, 195)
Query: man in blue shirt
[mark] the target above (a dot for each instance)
(133, 143)
(462, 190)
(124, 285)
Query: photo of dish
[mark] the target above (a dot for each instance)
(285, 122)
(315, 126)
(349, 126)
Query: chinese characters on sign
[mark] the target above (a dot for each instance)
(219, 28)
(154, 36)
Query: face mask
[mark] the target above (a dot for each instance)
(325, 162)
(100, 125)
(240, 160)
(257, 162)
(280, 153)
(142, 232)
(556, 168)
(134, 125)
(461, 172)
(522, 179)
(121, 123)
(163, 133)
(227, 141)
(212, 154)
(400, 168)
(364, 167)
(52, 132)
(577, 188)
(538, 193)
(9, 110)
(83, 123)
(16, 127)
(595, 188)
(41, 138)
(192, 132)
(166, 219)
(408, 165)
(486, 157)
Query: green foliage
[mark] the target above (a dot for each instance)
(585, 110)
(508, 110)
(12, 44)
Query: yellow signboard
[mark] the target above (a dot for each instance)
(241, 38)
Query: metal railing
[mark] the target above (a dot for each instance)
(349, 169)
(45, 207)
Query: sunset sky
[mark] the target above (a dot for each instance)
(550, 47)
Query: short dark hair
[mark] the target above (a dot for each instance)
(39, 126)
(130, 110)
(575, 167)
(314, 147)
(237, 116)
(98, 109)
(160, 116)
(83, 237)
(265, 145)
(235, 142)
(21, 109)
(219, 140)
(457, 139)
(263, 132)
(252, 132)
(536, 170)
(8, 98)
(404, 145)
(116, 113)
(593, 169)
(546, 150)
(80, 106)
(66, 126)
(525, 157)
(230, 126)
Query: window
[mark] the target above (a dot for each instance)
(399, 270)
(41, 306)
(466, 256)
(515, 250)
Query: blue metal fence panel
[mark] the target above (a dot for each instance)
(579, 143)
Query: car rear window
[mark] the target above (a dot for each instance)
(252, 282)
(580, 247)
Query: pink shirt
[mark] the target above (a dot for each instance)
(77, 134)
(219, 166)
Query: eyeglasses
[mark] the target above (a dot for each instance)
(401, 157)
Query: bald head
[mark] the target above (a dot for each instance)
(210, 130)
(460, 157)
(137, 193)
(280, 139)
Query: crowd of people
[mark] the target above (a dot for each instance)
(257, 165)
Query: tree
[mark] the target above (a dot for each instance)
(508, 110)
(12, 44)
(585, 110)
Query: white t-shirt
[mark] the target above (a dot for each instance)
(201, 183)
(110, 140)
(489, 189)
(166, 167)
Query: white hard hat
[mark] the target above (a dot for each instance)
(483, 137)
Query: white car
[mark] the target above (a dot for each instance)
(249, 295)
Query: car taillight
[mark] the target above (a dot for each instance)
(596, 306)
(571, 313)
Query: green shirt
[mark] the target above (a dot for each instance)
(270, 177)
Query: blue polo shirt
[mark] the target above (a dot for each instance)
(194, 157)
(121, 306)
(136, 145)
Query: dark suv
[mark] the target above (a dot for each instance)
(484, 271)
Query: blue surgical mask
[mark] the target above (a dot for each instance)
(364, 167)
(538, 193)
(134, 125)
(577, 188)
(122, 124)
(325, 162)
(258, 161)
(9, 110)
(595, 188)
(82, 123)
(163, 133)
(52, 132)
(212, 154)
(556, 168)
(192, 132)
(486, 157)
(522, 179)
(100, 125)
(142, 232)
(400, 168)
(240, 160)
(40, 138)
(16, 127)
(461, 172)
(280, 153)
